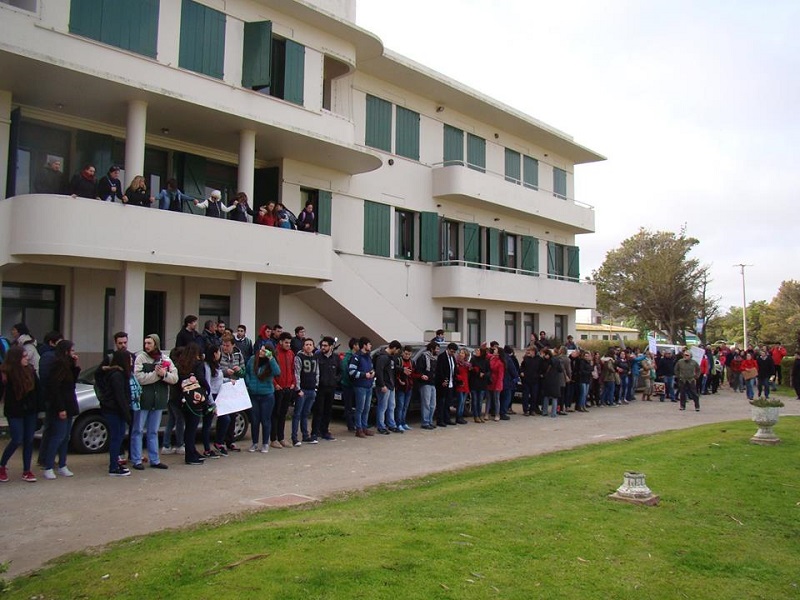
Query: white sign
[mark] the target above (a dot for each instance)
(232, 398)
(651, 345)
(697, 354)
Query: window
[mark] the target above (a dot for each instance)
(321, 200)
(511, 328)
(38, 306)
(216, 308)
(272, 65)
(376, 228)
(127, 24)
(512, 166)
(449, 240)
(472, 244)
(29, 5)
(560, 331)
(573, 263)
(407, 133)
(257, 55)
(453, 146)
(530, 327)
(530, 172)
(474, 329)
(509, 256)
(202, 45)
(584, 337)
(476, 153)
(494, 248)
(403, 234)
(555, 260)
(529, 259)
(559, 183)
(450, 319)
(379, 124)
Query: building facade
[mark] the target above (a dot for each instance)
(436, 206)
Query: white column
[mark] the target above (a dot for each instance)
(247, 162)
(5, 135)
(129, 304)
(243, 303)
(134, 140)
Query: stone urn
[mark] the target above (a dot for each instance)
(765, 417)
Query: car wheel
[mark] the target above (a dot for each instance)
(240, 425)
(90, 434)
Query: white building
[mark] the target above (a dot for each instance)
(437, 206)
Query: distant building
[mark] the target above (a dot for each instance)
(595, 331)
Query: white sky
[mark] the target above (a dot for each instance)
(693, 102)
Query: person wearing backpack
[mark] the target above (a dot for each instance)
(22, 337)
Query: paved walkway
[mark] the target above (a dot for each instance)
(43, 520)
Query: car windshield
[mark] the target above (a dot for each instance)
(87, 375)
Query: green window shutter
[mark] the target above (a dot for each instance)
(257, 55)
(202, 45)
(453, 146)
(552, 263)
(472, 246)
(494, 246)
(376, 228)
(135, 22)
(476, 153)
(193, 178)
(559, 183)
(324, 208)
(429, 237)
(512, 166)
(294, 73)
(86, 18)
(530, 255)
(407, 133)
(573, 263)
(530, 172)
(379, 124)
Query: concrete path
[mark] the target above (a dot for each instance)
(42, 520)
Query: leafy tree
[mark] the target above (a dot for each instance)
(652, 279)
(731, 328)
(782, 321)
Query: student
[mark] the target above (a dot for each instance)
(362, 375)
(115, 405)
(214, 206)
(192, 390)
(385, 388)
(285, 389)
(109, 188)
(171, 198)
(329, 374)
(306, 373)
(214, 377)
(260, 373)
(306, 220)
(404, 384)
(20, 388)
(62, 408)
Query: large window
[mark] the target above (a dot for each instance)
(127, 24)
(511, 320)
(449, 239)
(379, 128)
(38, 306)
(273, 65)
(404, 234)
(451, 317)
(530, 327)
(509, 256)
(474, 327)
(560, 331)
(563, 262)
(202, 43)
(216, 308)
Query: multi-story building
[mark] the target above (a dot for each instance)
(437, 206)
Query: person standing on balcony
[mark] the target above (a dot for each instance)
(266, 214)
(137, 194)
(84, 184)
(50, 179)
(214, 206)
(109, 188)
(306, 220)
(241, 208)
(171, 198)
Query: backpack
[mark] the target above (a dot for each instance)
(4, 346)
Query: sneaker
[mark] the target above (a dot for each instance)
(30, 477)
(194, 463)
(297, 443)
(253, 448)
(283, 443)
(3, 474)
(264, 449)
(234, 448)
(119, 472)
(167, 450)
(180, 450)
(158, 466)
(210, 454)
(328, 437)
(276, 444)
(139, 467)
(47, 474)
(310, 440)
(221, 450)
(65, 472)
(406, 427)
(383, 431)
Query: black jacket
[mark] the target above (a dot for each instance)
(330, 370)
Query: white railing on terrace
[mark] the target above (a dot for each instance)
(503, 269)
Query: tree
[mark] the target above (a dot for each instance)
(651, 278)
(782, 321)
(709, 309)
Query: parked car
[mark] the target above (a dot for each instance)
(90, 431)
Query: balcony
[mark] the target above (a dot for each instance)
(487, 190)
(456, 280)
(50, 229)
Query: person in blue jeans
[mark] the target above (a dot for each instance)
(19, 387)
(260, 373)
(362, 376)
(385, 384)
(306, 373)
(404, 384)
(115, 405)
(63, 407)
(425, 368)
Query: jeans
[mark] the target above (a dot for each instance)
(750, 387)
(283, 398)
(550, 405)
(427, 400)
(263, 405)
(505, 400)
(583, 392)
(363, 400)
(494, 398)
(607, 397)
(21, 430)
(58, 443)
(116, 433)
(303, 404)
(385, 412)
(763, 384)
(349, 401)
(323, 408)
(145, 420)
(174, 421)
(625, 386)
(478, 398)
(462, 401)
(402, 399)
(688, 388)
(669, 386)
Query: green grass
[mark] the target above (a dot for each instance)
(728, 526)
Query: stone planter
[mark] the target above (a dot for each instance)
(766, 418)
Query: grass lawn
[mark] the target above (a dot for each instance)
(728, 526)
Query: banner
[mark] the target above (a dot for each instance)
(232, 398)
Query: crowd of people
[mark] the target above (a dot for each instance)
(281, 371)
(109, 188)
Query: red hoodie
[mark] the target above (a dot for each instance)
(285, 360)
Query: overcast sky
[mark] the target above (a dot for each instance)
(694, 103)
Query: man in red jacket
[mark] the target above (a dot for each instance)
(778, 352)
(285, 389)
